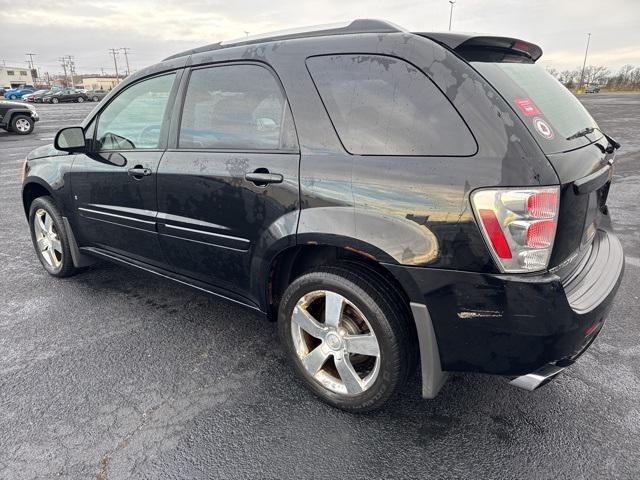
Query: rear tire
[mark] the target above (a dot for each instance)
(327, 358)
(22, 124)
(80, 100)
(12, 97)
(54, 100)
(50, 238)
(95, 99)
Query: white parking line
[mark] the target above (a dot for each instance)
(635, 261)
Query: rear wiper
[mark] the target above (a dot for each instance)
(581, 133)
(613, 145)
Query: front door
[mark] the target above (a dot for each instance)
(230, 187)
(114, 186)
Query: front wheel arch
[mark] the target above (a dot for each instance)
(30, 192)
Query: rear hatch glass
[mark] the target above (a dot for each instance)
(550, 111)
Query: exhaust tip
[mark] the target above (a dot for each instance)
(536, 379)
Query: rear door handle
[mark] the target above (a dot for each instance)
(139, 171)
(264, 178)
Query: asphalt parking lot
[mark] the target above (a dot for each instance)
(116, 374)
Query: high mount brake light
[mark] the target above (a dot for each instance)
(519, 225)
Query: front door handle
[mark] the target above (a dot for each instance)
(139, 171)
(261, 177)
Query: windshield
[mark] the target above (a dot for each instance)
(550, 111)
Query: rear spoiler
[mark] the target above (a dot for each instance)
(459, 42)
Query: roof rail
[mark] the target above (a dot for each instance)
(344, 28)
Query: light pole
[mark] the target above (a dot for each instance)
(452, 2)
(584, 64)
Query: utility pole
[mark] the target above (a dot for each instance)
(584, 64)
(452, 2)
(30, 55)
(31, 67)
(114, 52)
(72, 69)
(126, 58)
(64, 67)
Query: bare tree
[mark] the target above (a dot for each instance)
(596, 75)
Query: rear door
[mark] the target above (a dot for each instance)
(114, 186)
(229, 185)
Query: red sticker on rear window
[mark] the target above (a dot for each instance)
(527, 107)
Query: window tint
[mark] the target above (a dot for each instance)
(384, 106)
(134, 118)
(236, 107)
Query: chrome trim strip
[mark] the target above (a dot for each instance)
(135, 211)
(99, 212)
(219, 235)
(190, 221)
(217, 245)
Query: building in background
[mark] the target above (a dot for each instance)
(15, 76)
(100, 83)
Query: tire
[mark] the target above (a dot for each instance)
(95, 99)
(80, 100)
(55, 100)
(45, 217)
(364, 293)
(12, 97)
(22, 124)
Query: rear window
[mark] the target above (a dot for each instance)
(382, 105)
(550, 111)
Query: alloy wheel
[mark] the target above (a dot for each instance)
(47, 239)
(335, 342)
(23, 125)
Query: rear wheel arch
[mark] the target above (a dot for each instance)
(293, 262)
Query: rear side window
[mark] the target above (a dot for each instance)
(382, 105)
(236, 107)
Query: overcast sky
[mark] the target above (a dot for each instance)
(156, 29)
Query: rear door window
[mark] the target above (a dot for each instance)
(381, 105)
(239, 107)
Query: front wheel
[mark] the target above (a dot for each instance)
(50, 238)
(54, 100)
(348, 335)
(22, 124)
(12, 97)
(95, 99)
(80, 99)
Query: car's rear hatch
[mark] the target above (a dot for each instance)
(580, 153)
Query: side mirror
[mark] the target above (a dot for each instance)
(70, 140)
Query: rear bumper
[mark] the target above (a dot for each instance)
(517, 324)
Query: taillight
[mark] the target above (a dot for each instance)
(519, 225)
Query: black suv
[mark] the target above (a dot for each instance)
(394, 199)
(17, 117)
